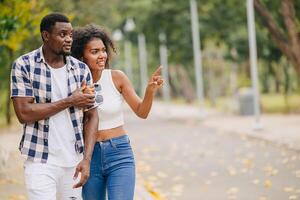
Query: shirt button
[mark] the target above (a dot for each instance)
(76, 147)
(45, 140)
(47, 126)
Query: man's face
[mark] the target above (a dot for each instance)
(60, 38)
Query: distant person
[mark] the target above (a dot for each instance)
(46, 89)
(112, 165)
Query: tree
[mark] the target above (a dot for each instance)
(19, 20)
(286, 35)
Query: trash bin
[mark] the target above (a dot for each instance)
(246, 101)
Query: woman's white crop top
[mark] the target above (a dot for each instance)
(110, 111)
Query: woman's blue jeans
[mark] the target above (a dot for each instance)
(112, 171)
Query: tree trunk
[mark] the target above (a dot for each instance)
(187, 88)
(286, 88)
(275, 75)
(8, 110)
(287, 41)
(8, 100)
(174, 82)
(181, 84)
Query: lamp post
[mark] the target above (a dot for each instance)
(233, 72)
(253, 62)
(117, 36)
(196, 50)
(197, 55)
(128, 27)
(163, 52)
(143, 62)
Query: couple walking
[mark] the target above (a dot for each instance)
(71, 110)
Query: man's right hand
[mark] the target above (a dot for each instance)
(82, 99)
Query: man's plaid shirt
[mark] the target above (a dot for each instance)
(31, 77)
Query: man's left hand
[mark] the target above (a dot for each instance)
(84, 169)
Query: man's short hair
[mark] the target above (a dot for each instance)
(49, 21)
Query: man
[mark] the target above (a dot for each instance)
(46, 89)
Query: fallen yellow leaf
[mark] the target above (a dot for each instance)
(248, 163)
(16, 197)
(268, 184)
(262, 198)
(293, 197)
(256, 181)
(297, 173)
(231, 171)
(213, 174)
(232, 191)
(288, 189)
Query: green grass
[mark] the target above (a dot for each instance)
(270, 103)
(277, 103)
(3, 123)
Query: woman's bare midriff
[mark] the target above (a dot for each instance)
(107, 134)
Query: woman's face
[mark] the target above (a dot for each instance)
(95, 54)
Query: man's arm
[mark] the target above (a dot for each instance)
(23, 98)
(90, 125)
(28, 112)
(90, 128)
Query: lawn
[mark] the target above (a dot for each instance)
(269, 103)
(275, 103)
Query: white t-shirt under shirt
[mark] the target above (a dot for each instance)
(110, 111)
(61, 138)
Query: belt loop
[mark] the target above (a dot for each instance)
(112, 143)
(100, 144)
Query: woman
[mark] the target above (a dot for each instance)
(112, 164)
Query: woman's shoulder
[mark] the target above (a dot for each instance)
(119, 78)
(117, 74)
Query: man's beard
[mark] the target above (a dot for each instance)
(64, 53)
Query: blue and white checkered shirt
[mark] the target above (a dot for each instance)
(31, 77)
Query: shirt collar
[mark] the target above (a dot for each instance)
(39, 57)
(70, 63)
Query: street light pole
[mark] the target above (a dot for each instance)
(117, 36)
(128, 27)
(163, 52)
(128, 60)
(253, 62)
(143, 62)
(197, 51)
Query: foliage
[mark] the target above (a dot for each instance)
(276, 103)
(223, 32)
(19, 21)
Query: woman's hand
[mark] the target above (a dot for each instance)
(88, 89)
(155, 81)
(82, 97)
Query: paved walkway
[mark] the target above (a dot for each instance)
(182, 158)
(11, 171)
(276, 128)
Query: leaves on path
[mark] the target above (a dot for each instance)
(16, 197)
(268, 184)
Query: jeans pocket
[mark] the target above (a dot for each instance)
(123, 146)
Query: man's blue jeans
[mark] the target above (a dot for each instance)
(112, 171)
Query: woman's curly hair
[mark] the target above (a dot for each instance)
(83, 35)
